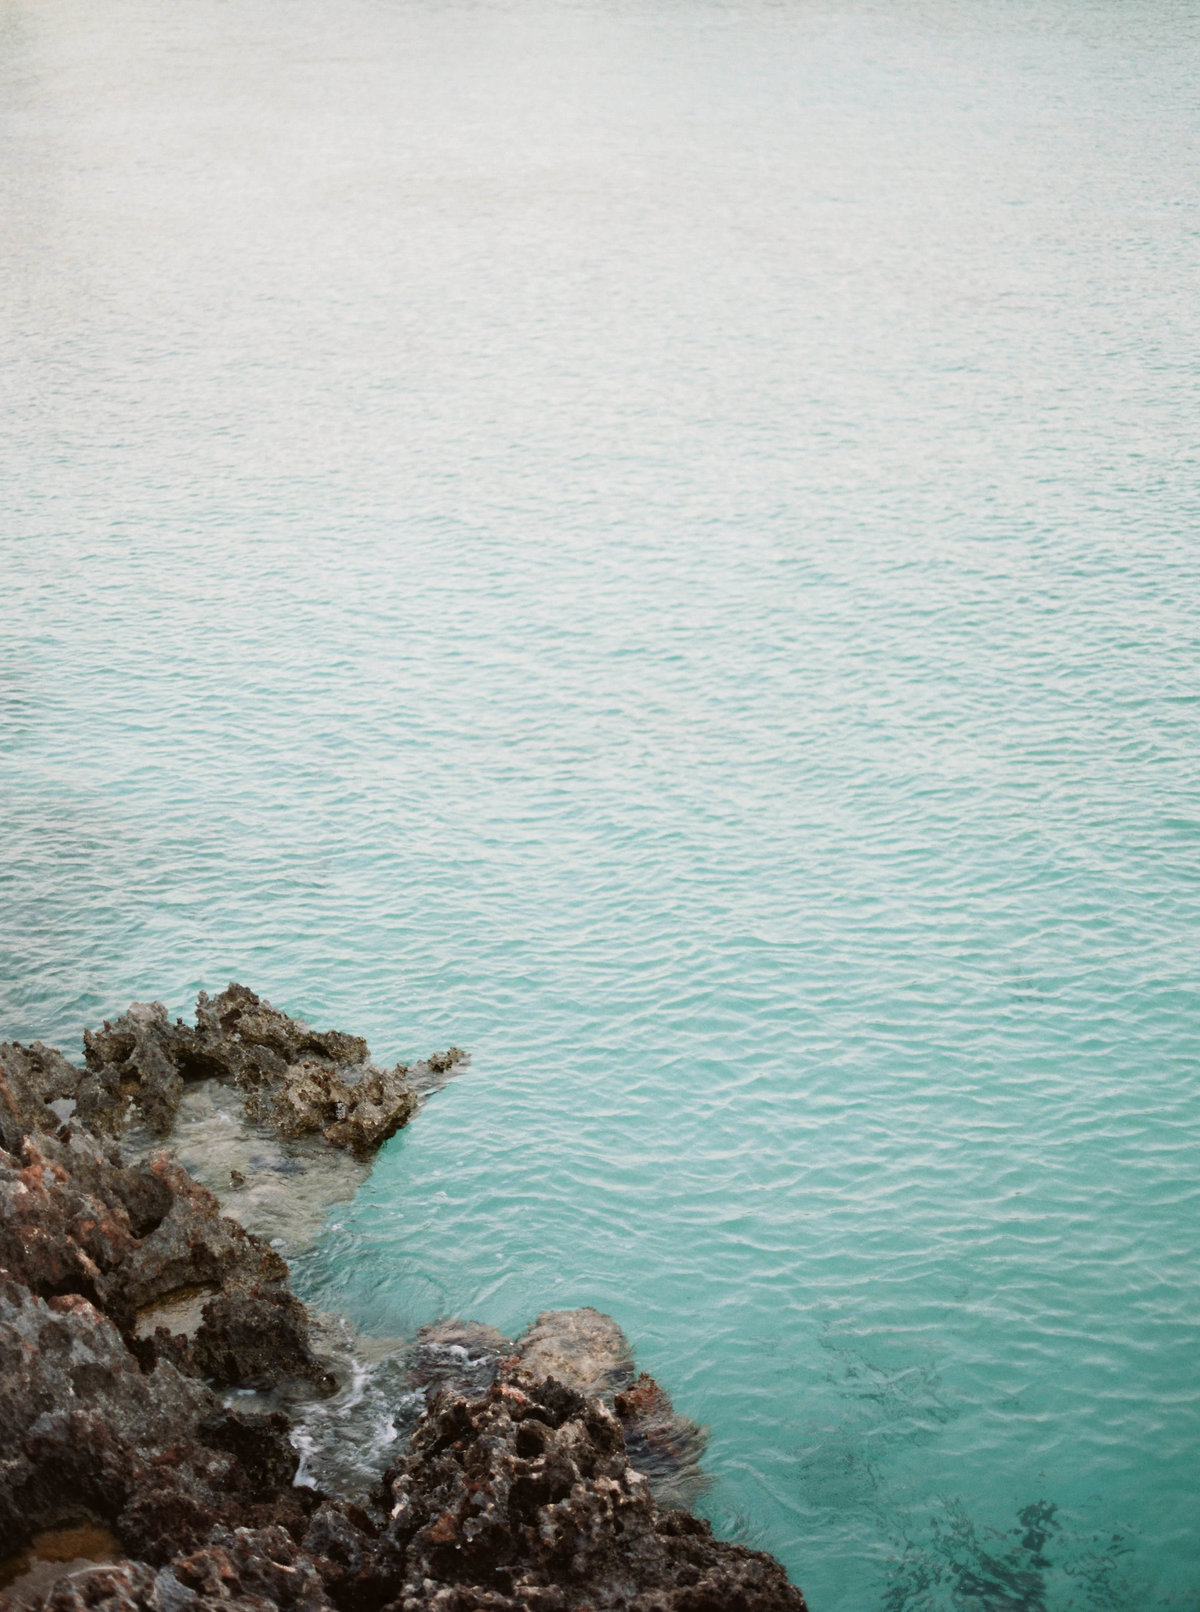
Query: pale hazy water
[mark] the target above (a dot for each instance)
(659, 542)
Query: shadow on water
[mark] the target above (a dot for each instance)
(1050, 1559)
(1038, 1565)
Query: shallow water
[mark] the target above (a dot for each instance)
(657, 543)
(279, 1189)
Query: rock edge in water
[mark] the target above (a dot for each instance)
(517, 1489)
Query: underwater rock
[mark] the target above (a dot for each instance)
(349, 1439)
(463, 1356)
(664, 1446)
(582, 1348)
(56, 1553)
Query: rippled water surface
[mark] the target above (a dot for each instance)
(658, 541)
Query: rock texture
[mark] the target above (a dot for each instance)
(88, 1433)
(525, 1498)
(75, 1220)
(589, 1352)
(296, 1080)
(130, 1309)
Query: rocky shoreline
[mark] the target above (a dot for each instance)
(155, 1366)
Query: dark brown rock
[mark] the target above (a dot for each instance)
(257, 1336)
(86, 1431)
(127, 1301)
(525, 1498)
(589, 1352)
(75, 1219)
(31, 1078)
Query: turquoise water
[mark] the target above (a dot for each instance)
(659, 543)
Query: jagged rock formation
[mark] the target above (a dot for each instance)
(75, 1220)
(589, 1353)
(296, 1080)
(525, 1498)
(128, 1303)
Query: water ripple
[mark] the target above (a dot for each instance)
(656, 544)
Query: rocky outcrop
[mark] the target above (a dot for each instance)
(295, 1080)
(525, 1498)
(519, 1500)
(131, 1310)
(31, 1079)
(88, 1432)
(74, 1219)
(590, 1353)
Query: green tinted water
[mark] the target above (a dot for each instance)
(659, 544)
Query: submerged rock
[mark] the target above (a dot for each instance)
(349, 1439)
(665, 1446)
(55, 1554)
(463, 1356)
(133, 1313)
(582, 1348)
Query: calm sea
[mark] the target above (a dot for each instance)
(658, 541)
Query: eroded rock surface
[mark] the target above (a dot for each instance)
(74, 1219)
(524, 1498)
(295, 1080)
(589, 1352)
(132, 1313)
(88, 1433)
(518, 1500)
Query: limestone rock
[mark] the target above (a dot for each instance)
(85, 1430)
(524, 1498)
(128, 1302)
(31, 1078)
(75, 1219)
(589, 1352)
(582, 1348)
(295, 1080)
